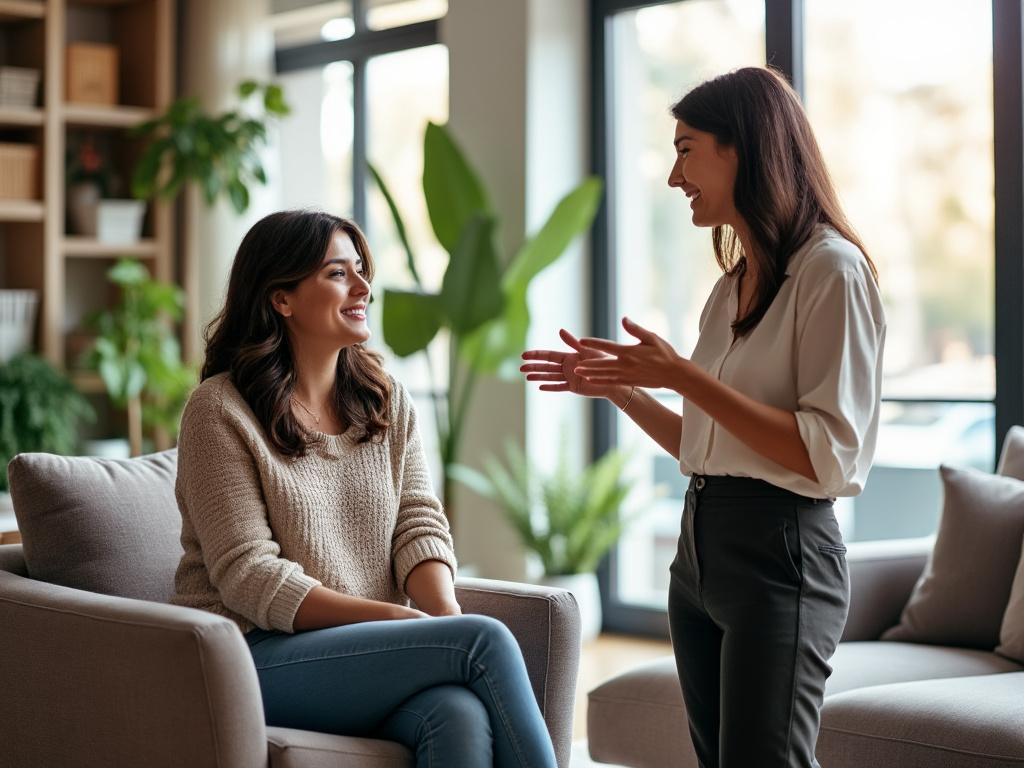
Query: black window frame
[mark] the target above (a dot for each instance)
(784, 49)
(358, 49)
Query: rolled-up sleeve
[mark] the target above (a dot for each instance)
(841, 333)
(421, 530)
(219, 491)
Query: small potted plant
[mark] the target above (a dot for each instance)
(40, 410)
(137, 354)
(567, 519)
(88, 180)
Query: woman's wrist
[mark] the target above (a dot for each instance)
(621, 396)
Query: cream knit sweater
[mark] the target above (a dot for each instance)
(260, 530)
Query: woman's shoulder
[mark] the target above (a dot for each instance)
(827, 253)
(217, 399)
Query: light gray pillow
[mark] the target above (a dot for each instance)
(962, 595)
(1011, 634)
(104, 525)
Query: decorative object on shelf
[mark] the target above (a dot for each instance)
(218, 152)
(17, 322)
(119, 222)
(19, 87)
(40, 410)
(568, 519)
(91, 73)
(488, 333)
(137, 353)
(19, 171)
(88, 180)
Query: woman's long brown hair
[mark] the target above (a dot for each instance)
(248, 338)
(783, 189)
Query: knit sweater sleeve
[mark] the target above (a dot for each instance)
(219, 491)
(421, 531)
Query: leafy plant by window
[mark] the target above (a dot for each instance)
(482, 301)
(40, 410)
(218, 152)
(137, 353)
(582, 511)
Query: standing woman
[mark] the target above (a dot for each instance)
(309, 519)
(780, 416)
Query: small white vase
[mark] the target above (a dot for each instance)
(584, 588)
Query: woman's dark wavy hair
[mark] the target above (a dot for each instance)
(248, 338)
(783, 189)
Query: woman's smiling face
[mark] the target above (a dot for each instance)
(706, 173)
(331, 304)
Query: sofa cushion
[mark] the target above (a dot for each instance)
(970, 722)
(1011, 459)
(292, 748)
(639, 719)
(963, 592)
(104, 525)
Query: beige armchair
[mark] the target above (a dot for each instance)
(97, 670)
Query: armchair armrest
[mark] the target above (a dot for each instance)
(12, 559)
(94, 680)
(546, 622)
(882, 576)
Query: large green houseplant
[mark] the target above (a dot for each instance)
(567, 518)
(40, 410)
(482, 301)
(137, 354)
(219, 152)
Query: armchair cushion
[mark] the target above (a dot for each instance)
(104, 525)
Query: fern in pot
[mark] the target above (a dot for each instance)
(567, 519)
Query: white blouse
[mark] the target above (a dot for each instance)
(817, 352)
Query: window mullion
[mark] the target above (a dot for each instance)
(360, 121)
(784, 39)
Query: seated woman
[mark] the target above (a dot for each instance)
(309, 518)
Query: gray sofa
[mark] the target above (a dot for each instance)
(111, 680)
(903, 705)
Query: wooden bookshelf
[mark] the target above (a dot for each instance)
(37, 250)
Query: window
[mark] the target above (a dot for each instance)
(363, 78)
(906, 127)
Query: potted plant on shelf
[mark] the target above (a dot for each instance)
(482, 301)
(220, 153)
(88, 180)
(40, 410)
(567, 519)
(137, 354)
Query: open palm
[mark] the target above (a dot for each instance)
(556, 369)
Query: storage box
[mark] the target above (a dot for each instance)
(119, 221)
(18, 87)
(19, 171)
(91, 75)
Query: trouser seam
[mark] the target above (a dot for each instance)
(796, 644)
(509, 730)
(429, 734)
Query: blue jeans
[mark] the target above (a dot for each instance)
(454, 690)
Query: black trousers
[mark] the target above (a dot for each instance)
(758, 599)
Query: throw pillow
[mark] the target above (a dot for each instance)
(962, 595)
(104, 525)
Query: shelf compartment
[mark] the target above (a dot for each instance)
(92, 116)
(90, 248)
(19, 10)
(21, 210)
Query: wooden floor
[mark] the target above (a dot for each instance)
(604, 658)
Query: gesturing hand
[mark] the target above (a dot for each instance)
(558, 369)
(652, 363)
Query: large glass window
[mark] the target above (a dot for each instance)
(906, 126)
(359, 95)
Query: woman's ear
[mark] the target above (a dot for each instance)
(279, 301)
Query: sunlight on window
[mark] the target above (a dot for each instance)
(385, 14)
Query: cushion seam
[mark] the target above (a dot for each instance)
(926, 745)
(108, 619)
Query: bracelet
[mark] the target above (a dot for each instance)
(629, 399)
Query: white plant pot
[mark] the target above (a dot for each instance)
(584, 588)
(119, 222)
(8, 522)
(114, 448)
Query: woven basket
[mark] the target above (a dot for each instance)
(18, 87)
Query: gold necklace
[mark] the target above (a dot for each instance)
(306, 409)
